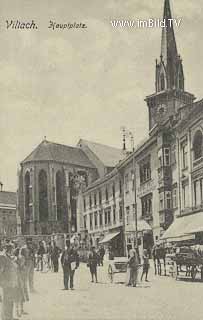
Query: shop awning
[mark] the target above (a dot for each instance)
(185, 225)
(109, 237)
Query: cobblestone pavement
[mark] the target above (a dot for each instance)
(161, 298)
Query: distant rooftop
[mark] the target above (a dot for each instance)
(8, 198)
(108, 155)
(50, 151)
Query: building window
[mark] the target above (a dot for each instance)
(120, 213)
(175, 200)
(127, 215)
(95, 220)
(60, 195)
(195, 193)
(91, 221)
(184, 155)
(95, 199)
(107, 194)
(197, 145)
(106, 217)
(147, 205)
(161, 201)
(100, 197)
(90, 201)
(114, 215)
(185, 195)
(43, 196)
(166, 156)
(84, 204)
(201, 190)
(145, 170)
(109, 217)
(126, 182)
(162, 80)
(85, 222)
(113, 191)
(101, 218)
(27, 195)
(168, 200)
(120, 188)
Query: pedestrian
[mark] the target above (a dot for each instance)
(101, 254)
(55, 257)
(69, 262)
(20, 295)
(40, 254)
(8, 281)
(145, 270)
(92, 263)
(49, 252)
(30, 263)
(133, 264)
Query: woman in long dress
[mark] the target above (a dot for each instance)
(133, 264)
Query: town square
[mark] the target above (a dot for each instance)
(101, 177)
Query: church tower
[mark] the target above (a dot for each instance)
(170, 92)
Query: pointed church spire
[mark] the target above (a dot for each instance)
(168, 42)
(169, 72)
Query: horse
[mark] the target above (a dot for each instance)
(158, 254)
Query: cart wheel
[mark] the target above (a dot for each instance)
(110, 273)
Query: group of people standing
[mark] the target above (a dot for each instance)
(48, 255)
(133, 266)
(16, 277)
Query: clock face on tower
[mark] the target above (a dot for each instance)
(162, 109)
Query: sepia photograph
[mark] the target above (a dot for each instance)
(101, 175)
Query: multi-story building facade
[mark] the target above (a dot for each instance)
(163, 178)
(103, 211)
(8, 217)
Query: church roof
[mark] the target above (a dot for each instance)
(50, 151)
(108, 155)
(8, 198)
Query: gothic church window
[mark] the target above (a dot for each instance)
(59, 195)
(162, 81)
(27, 195)
(43, 196)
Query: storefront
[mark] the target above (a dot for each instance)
(145, 237)
(187, 229)
(113, 242)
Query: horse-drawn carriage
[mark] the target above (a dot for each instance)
(188, 261)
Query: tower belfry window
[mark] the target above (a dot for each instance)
(162, 81)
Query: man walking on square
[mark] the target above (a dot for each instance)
(69, 262)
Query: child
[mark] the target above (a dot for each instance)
(145, 270)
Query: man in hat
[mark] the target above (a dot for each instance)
(69, 262)
(8, 281)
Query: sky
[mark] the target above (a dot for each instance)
(84, 83)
